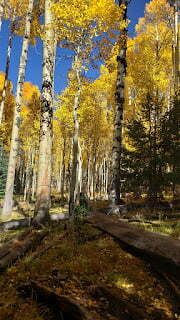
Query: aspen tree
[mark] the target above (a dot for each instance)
(8, 201)
(2, 3)
(45, 148)
(119, 110)
(75, 174)
(176, 46)
(8, 59)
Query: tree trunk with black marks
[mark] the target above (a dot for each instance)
(63, 173)
(176, 48)
(74, 184)
(45, 149)
(120, 100)
(2, 3)
(28, 180)
(8, 202)
(9, 49)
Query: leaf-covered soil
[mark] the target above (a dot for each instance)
(71, 263)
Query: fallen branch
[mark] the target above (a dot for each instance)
(19, 246)
(70, 308)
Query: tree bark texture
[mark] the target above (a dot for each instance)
(75, 174)
(16, 121)
(120, 99)
(28, 180)
(2, 3)
(45, 148)
(176, 48)
(8, 59)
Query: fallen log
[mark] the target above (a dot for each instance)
(15, 224)
(27, 222)
(5, 249)
(160, 250)
(61, 305)
(118, 306)
(19, 246)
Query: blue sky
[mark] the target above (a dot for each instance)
(34, 68)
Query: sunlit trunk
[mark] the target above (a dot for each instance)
(28, 180)
(9, 49)
(75, 173)
(119, 110)
(63, 173)
(2, 3)
(176, 47)
(34, 178)
(45, 147)
(8, 202)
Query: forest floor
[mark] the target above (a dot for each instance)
(74, 262)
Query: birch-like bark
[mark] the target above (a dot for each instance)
(8, 59)
(59, 180)
(45, 148)
(63, 171)
(28, 180)
(8, 201)
(88, 176)
(120, 100)
(177, 51)
(2, 4)
(76, 149)
(34, 181)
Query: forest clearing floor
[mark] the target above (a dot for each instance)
(79, 263)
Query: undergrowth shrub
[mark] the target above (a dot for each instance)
(80, 213)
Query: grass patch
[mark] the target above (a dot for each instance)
(171, 228)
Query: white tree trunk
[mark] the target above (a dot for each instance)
(8, 202)
(45, 148)
(177, 51)
(8, 59)
(118, 122)
(2, 3)
(75, 173)
(28, 178)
